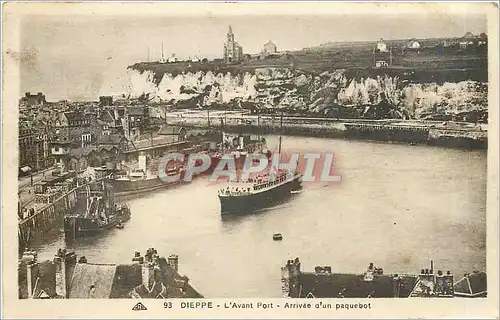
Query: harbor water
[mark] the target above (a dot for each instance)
(397, 206)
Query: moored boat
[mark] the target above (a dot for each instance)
(237, 147)
(143, 179)
(100, 214)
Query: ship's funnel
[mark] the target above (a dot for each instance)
(142, 163)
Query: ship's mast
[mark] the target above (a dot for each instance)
(258, 124)
(281, 132)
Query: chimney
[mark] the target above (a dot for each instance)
(396, 285)
(294, 273)
(185, 284)
(65, 263)
(285, 280)
(173, 262)
(296, 268)
(32, 273)
(147, 274)
(137, 257)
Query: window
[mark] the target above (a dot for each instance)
(56, 149)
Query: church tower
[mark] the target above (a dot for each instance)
(230, 35)
(233, 52)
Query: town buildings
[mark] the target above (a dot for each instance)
(75, 135)
(32, 100)
(233, 52)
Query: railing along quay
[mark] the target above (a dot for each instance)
(43, 219)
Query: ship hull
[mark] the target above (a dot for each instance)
(124, 188)
(79, 226)
(132, 187)
(257, 201)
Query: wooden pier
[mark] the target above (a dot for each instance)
(45, 217)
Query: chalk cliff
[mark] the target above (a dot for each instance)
(334, 93)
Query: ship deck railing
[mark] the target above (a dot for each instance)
(257, 186)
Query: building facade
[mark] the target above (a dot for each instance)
(269, 49)
(34, 149)
(233, 52)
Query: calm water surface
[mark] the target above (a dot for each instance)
(397, 206)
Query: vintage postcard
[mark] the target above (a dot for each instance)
(249, 160)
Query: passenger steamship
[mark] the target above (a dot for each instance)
(271, 188)
(260, 193)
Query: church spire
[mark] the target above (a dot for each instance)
(230, 30)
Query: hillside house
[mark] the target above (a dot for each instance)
(269, 49)
(381, 46)
(381, 64)
(413, 44)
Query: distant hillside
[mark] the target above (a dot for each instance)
(432, 62)
(335, 79)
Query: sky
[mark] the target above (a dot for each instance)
(77, 57)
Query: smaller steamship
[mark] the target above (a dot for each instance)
(100, 213)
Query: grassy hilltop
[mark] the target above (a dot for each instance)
(431, 63)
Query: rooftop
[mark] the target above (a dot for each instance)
(94, 280)
(112, 139)
(334, 285)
